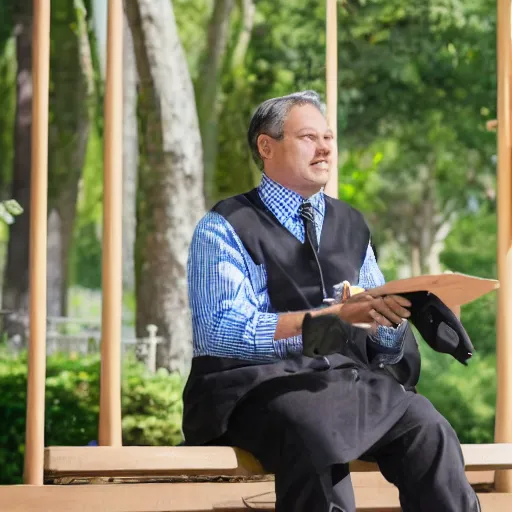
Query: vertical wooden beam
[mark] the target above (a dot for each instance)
(331, 65)
(503, 428)
(110, 392)
(34, 434)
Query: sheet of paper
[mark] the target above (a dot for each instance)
(452, 288)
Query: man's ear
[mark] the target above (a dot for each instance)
(265, 148)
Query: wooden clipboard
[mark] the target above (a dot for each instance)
(452, 288)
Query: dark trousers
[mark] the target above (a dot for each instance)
(420, 455)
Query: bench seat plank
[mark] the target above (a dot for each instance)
(212, 460)
(149, 460)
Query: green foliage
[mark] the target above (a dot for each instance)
(71, 98)
(471, 246)
(466, 396)
(7, 109)
(9, 209)
(151, 406)
(86, 249)
(471, 249)
(86, 256)
(7, 16)
(192, 20)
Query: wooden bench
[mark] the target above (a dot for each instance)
(214, 461)
(222, 479)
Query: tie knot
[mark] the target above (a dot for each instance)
(306, 211)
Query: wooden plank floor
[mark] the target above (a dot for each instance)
(189, 497)
(192, 497)
(382, 502)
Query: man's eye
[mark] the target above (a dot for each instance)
(309, 136)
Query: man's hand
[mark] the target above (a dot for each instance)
(388, 311)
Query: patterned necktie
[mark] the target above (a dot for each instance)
(308, 216)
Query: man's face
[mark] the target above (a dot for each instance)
(302, 159)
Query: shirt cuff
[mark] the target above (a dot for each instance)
(390, 337)
(264, 337)
(264, 342)
(389, 343)
(289, 346)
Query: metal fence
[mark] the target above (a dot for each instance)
(83, 336)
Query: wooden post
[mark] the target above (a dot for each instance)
(34, 434)
(503, 428)
(331, 86)
(110, 391)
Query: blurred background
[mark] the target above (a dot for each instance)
(417, 85)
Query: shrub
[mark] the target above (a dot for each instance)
(465, 395)
(151, 405)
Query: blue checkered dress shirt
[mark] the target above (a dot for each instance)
(231, 311)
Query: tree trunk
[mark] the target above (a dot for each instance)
(434, 255)
(234, 94)
(170, 191)
(53, 273)
(72, 79)
(207, 91)
(15, 289)
(415, 260)
(248, 11)
(130, 158)
(67, 212)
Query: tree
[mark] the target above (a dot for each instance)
(71, 89)
(72, 108)
(471, 249)
(130, 158)
(7, 96)
(170, 192)
(209, 89)
(410, 102)
(15, 289)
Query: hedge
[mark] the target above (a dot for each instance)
(151, 406)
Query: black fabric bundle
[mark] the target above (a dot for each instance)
(436, 323)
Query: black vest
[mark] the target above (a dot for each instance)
(216, 385)
(293, 278)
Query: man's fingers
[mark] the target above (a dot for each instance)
(383, 308)
(380, 319)
(396, 307)
(401, 300)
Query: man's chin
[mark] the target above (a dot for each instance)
(320, 177)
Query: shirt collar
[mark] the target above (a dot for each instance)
(284, 203)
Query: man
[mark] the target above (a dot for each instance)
(261, 266)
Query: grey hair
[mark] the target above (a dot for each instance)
(270, 116)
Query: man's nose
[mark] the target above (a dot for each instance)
(324, 146)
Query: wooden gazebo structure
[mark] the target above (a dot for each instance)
(196, 478)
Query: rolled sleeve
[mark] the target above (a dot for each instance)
(289, 347)
(226, 316)
(389, 341)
